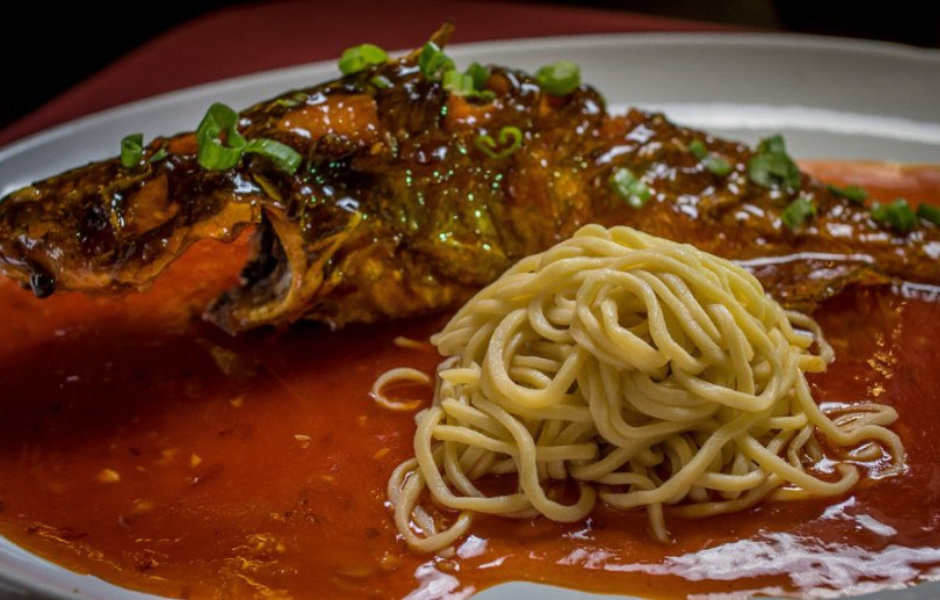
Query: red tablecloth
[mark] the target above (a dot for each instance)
(252, 38)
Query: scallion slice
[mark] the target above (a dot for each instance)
(221, 145)
(359, 58)
(897, 215)
(381, 81)
(157, 156)
(479, 74)
(774, 144)
(629, 187)
(797, 212)
(714, 163)
(215, 152)
(456, 82)
(697, 148)
(772, 166)
(464, 84)
(433, 63)
(286, 158)
(560, 78)
(852, 193)
(132, 149)
(508, 141)
(717, 165)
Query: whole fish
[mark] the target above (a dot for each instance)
(414, 185)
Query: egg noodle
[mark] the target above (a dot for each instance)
(651, 373)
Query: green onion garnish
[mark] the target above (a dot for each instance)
(717, 165)
(698, 149)
(457, 82)
(772, 145)
(464, 84)
(433, 62)
(490, 147)
(772, 166)
(929, 213)
(218, 153)
(797, 212)
(560, 78)
(360, 58)
(479, 74)
(714, 163)
(852, 193)
(381, 81)
(132, 149)
(897, 216)
(286, 158)
(157, 156)
(632, 189)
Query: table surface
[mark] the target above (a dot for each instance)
(253, 38)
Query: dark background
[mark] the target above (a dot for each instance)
(46, 50)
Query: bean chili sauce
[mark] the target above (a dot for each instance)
(145, 447)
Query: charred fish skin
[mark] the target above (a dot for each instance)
(398, 209)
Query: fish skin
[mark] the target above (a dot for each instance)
(396, 211)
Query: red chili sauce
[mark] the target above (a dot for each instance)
(147, 448)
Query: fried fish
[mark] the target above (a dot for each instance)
(410, 185)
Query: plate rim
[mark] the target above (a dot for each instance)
(597, 40)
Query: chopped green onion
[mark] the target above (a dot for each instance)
(286, 158)
(772, 170)
(218, 154)
(897, 216)
(433, 62)
(697, 148)
(852, 193)
(929, 213)
(214, 153)
(772, 145)
(215, 157)
(714, 163)
(797, 212)
(560, 78)
(717, 165)
(295, 99)
(457, 82)
(157, 156)
(488, 146)
(381, 81)
(479, 74)
(132, 149)
(463, 84)
(633, 190)
(772, 166)
(359, 58)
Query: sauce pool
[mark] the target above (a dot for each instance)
(151, 450)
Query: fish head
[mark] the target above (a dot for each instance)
(105, 227)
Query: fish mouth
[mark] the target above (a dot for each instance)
(283, 279)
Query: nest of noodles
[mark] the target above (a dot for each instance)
(652, 373)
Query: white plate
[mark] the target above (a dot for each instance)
(831, 98)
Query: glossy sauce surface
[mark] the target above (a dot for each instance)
(150, 449)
